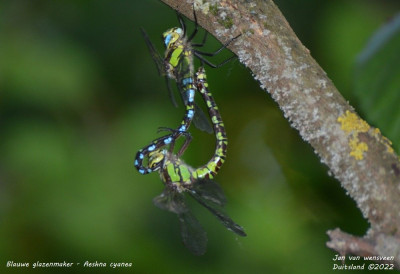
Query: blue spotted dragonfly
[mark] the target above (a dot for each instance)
(178, 64)
(180, 178)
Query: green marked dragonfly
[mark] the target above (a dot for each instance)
(180, 178)
(178, 64)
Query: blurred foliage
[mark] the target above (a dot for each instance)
(80, 94)
(377, 80)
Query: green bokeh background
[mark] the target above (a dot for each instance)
(80, 94)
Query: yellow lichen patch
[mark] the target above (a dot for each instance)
(351, 122)
(353, 125)
(385, 141)
(357, 148)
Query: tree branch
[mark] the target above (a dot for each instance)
(356, 154)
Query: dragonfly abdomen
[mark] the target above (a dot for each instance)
(210, 169)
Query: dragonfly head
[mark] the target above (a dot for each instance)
(171, 36)
(156, 159)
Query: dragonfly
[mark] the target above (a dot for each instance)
(180, 178)
(178, 63)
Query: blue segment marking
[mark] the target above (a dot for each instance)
(182, 128)
(168, 140)
(190, 113)
(136, 163)
(141, 155)
(190, 94)
(186, 81)
(151, 148)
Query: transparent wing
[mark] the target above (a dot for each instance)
(207, 200)
(211, 191)
(154, 53)
(171, 201)
(193, 235)
(201, 121)
(159, 61)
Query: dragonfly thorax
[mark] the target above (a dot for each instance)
(172, 36)
(178, 58)
(175, 173)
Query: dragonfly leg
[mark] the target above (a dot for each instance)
(185, 144)
(175, 135)
(203, 60)
(196, 26)
(218, 50)
(202, 42)
(165, 129)
(199, 54)
(181, 22)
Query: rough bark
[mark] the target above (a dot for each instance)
(361, 159)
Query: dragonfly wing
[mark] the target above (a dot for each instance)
(218, 212)
(159, 60)
(154, 53)
(201, 121)
(171, 201)
(193, 235)
(211, 191)
(170, 92)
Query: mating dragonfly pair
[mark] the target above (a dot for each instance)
(180, 178)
